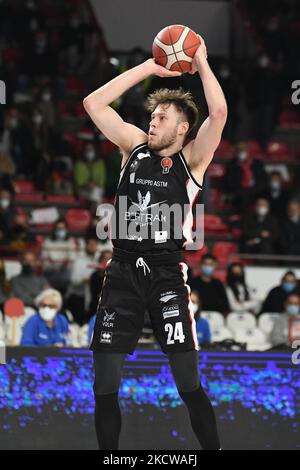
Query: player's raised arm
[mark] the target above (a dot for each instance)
(97, 104)
(200, 151)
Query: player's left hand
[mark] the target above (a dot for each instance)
(200, 56)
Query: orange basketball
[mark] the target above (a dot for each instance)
(174, 47)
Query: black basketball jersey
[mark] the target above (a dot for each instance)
(149, 184)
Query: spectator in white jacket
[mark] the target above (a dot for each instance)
(241, 297)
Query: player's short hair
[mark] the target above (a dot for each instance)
(182, 100)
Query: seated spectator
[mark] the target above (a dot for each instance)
(7, 215)
(280, 332)
(45, 144)
(276, 194)
(245, 178)
(90, 174)
(260, 230)
(27, 285)
(7, 171)
(78, 293)
(211, 290)
(5, 286)
(241, 297)
(47, 327)
(277, 296)
(16, 142)
(202, 325)
(97, 279)
(290, 231)
(21, 238)
(58, 254)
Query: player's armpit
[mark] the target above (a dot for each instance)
(124, 135)
(199, 152)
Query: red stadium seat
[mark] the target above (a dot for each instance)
(289, 119)
(54, 199)
(193, 258)
(75, 84)
(225, 150)
(78, 219)
(24, 186)
(29, 197)
(280, 151)
(213, 223)
(216, 171)
(222, 250)
(254, 149)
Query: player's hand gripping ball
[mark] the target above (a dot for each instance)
(174, 48)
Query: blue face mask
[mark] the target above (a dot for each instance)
(207, 270)
(288, 286)
(293, 309)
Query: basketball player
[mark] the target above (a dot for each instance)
(148, 274)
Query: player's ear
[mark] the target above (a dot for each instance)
(183, 127)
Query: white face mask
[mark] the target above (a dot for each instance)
(242, 155)
(37, 119)
(47, 313)
(262, 210)
(4, 203)
(90, 155)
(195, 307)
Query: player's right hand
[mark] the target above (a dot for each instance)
(161, 71)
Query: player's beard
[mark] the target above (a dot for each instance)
(165, 142)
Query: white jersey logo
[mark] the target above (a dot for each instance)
(143, 201)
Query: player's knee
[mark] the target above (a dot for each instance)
(184, 367)
(102, 387)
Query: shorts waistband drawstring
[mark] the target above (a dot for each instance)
(140, 262)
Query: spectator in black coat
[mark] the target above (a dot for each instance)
(277, 296)
(260, 230)
(211, 290)
(7, 215)
(290, 231)
(245, 178)
(276, 194)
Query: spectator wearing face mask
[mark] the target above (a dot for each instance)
(290, 232)
(261, 230)
(27, 285)
(90, 174)
(241, 297)
(245, 178)
(277, 296)
(58, 254)
(47, 107)
(45, 144)
(211, 290)
(280, 332)
(202, 325)
(276, 194)
(7, 216)
(48, 327)
(15, 141)
(263, 96)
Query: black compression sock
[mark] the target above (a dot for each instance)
(202, 418)
(107, 421)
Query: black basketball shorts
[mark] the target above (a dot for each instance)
(156, 283)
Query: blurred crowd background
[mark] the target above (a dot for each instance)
(56, 167)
